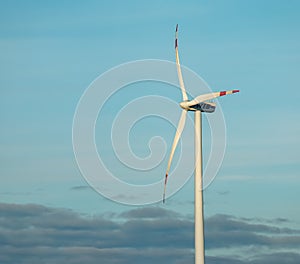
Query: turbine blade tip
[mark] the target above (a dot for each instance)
(235, 91)
(176, 27)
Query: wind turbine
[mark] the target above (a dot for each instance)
(198, 105)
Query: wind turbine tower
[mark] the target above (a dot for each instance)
(198, 105)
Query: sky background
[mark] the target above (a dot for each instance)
(51, 52)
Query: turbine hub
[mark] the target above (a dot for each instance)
(184, 105)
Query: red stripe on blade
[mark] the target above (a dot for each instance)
(222, 93)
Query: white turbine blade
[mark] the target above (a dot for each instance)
(175, 142)
(181, 83)
(205, 97)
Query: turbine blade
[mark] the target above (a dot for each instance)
(205, 97)
(175, 142)
(181, 83)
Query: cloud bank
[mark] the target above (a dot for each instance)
(39, 234)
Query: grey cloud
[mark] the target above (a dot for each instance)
(150, 213)
(277, 258)
(279, 220)
(223, 192)
(79, 255)
(224, 231)
(274, 258)
(230, 223)
(39, 234)
(80, 188)
(224, 260)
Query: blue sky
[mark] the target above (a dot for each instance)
(51, 52)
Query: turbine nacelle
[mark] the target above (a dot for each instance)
(207, 107)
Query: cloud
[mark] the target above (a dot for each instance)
(80, 188)
(223, 192)
(38, 234)
(224, 231)
(277, 258)
(150, 213)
